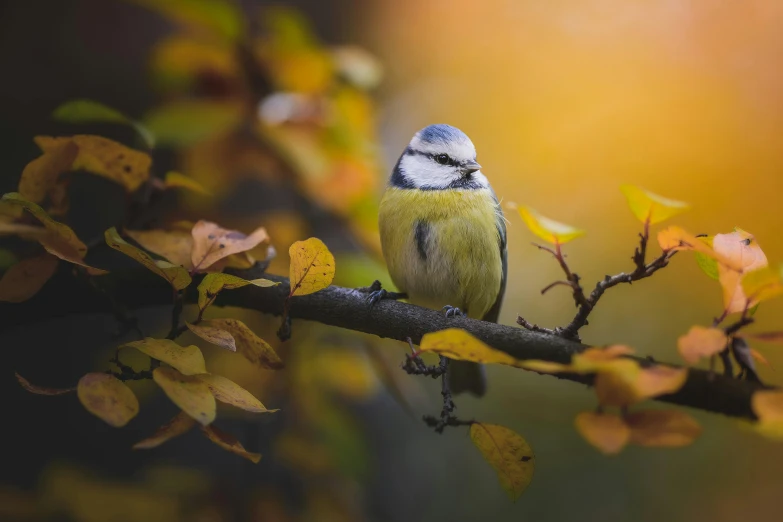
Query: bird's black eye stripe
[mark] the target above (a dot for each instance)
(443, 159)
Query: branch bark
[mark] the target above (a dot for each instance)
(349, 309)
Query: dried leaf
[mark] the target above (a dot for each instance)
(741, 248)
(547, 229)
(675, 238)
(188, 122)
(214, 335)
(187, 359)
(605, 431)
(178, 180)
(189, 393)
(312, 266)
(649, 207)
(40, 176)
(106, 158)
(61, 240)
(701, 342)
(177, 276)
(212, 243)
(252, 347)
(212, 284)
(508, 453)
(108, 398)
(231, 393)
(662, 428)
(89, 111)
(40, 390)
(229, 443)
(24, 279)
(459, 345)
(180, 424)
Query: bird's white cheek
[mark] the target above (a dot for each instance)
(422, 171)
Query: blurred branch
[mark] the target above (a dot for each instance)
(348, 308)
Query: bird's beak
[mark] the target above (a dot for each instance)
(470, 167)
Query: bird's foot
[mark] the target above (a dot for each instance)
(452, 311)
(375, 293)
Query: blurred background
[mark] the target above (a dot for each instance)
(292, 115)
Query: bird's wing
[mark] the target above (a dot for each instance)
(494, 312)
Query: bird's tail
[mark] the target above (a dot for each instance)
(465, 376)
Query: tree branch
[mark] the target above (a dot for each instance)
(348, 308)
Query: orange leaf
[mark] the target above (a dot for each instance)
(189, 393)
(770, 337)
(594, 358)
(615, 383)
(108, 398)
(675, 238)
(742, 250)
(312, 266)
(659, 380)
(606, 432)
(701, 342)
(40, 390)
(662, 428)
(24, 279)
(212, 243)
(229, 443)
(759, 357)
(180, 424)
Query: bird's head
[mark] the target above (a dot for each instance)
(439, 157)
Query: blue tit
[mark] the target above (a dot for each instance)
(443, 235)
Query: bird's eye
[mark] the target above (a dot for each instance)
(443, 159)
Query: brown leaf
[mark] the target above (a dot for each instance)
(214, 335)
(212, 243)
(25, 278)
(252, 347)
(104, 157)
(701, 342)
(180, 424)
(40, 176)
(662, 428)
(231, 393)
(40, 390)
(229, 443)
(606, 432)
(189, 393)
(108, 398)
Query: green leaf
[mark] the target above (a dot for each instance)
(184, 123)
(707, 264)
(90, 111)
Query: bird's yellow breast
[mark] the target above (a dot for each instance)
(455, 259)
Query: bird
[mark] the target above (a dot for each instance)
(443, 236)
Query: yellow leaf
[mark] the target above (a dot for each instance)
(177, 180)
(174, 245)
(177, 276)
(606, 432)
(187, 122)
(212, 243)
(106, 158)
(350, 373)
(177, 58)
(768, 407)
(742, 249)
(312, 266)
(701, 342)
(189, 393)
(40, 176)
(108, 398)
(25, 278)
(647, 206)
(61, 240)
(180, 424)
(508, 453)
(459, 345)
(214, 335)
(596, 359)
(763, 284)
(252, 347)
(662, 428)
(675, 238)
(212, 284)
(231, 393)
(187, 359)
(40, 390)
(547, 229)
(229, 443)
